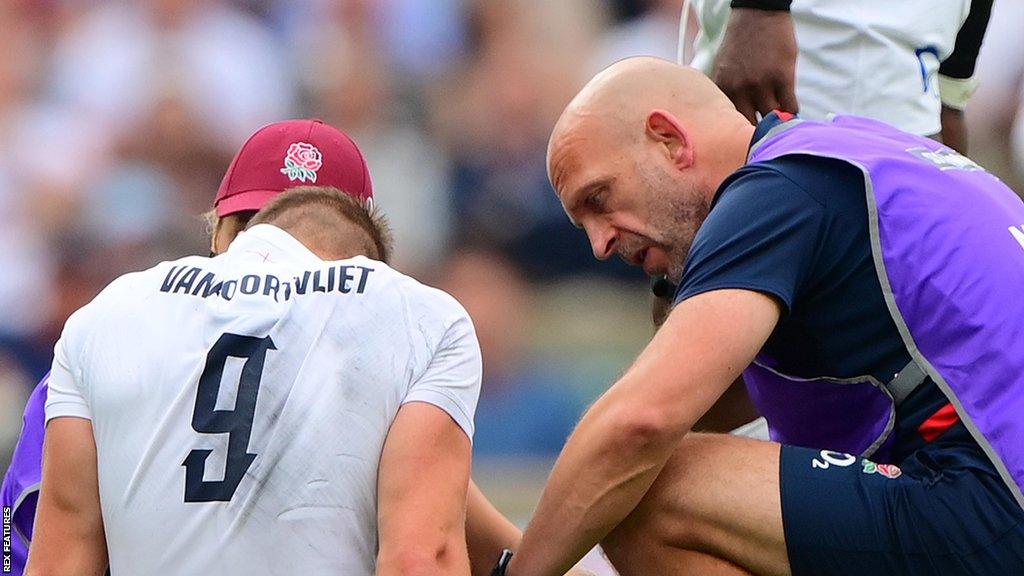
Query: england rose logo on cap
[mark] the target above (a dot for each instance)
(301, 162)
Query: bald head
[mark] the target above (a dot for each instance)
(645, 138)
(619, 99)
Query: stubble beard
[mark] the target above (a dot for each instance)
(677, 223)
(675, 217)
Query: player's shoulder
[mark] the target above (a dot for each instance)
(139, 283)
(420, 298)
(130, 290)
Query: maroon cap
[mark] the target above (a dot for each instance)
(287, 154)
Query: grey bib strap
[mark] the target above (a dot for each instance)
(906, 381)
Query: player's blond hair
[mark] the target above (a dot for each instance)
(331, 202)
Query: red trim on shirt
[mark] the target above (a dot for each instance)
(937, 423)
(784, 116)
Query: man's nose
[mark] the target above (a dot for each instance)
(603, 240)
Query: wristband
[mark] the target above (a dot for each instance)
(771, 5)
(955, 92)
(506, 557)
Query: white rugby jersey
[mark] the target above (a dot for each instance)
(873, 58)
(240, 403)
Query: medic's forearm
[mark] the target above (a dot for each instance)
(607, 466)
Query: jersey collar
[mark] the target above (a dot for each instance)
(768, 126)
(272, 244)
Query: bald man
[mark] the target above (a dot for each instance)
(864, 280)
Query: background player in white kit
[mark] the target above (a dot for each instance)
(899, 62)
(242, 405)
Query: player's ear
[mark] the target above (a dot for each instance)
(664, 128)
(214, 234)
(211, 220)
(224, 231)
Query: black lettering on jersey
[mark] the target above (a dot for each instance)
(317, 286)
(343, 286)
(227, 291)
(172, 275)
(302, 285)
(186, 280)
(271, 285)
(205, 285)
(363, 278)
(250, 284)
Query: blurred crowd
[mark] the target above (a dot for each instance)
(118, 119)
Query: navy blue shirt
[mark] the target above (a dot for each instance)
(796, 228)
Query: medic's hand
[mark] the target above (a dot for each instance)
(756, 66)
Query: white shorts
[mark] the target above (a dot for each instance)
(874, 58)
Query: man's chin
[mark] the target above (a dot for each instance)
(660, 270)
(674, 275)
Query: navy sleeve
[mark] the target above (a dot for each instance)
(762, 234)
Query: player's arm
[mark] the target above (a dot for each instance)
(624, 440)
(424, 474)
(68, 537)
(488, 532)
(956, 75)
(756, 65)
(424, 470)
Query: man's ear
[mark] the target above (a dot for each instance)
(665, 129)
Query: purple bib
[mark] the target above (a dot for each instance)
(948, 244)
(20, 490)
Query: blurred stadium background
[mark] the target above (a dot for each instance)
(118, 119)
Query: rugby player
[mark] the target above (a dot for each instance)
(896, 62)
(291, 406)
(865, 280)
(259, 172)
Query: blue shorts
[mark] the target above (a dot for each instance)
(937, 515)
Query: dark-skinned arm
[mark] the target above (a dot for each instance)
(956, 75)
(756, 65)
